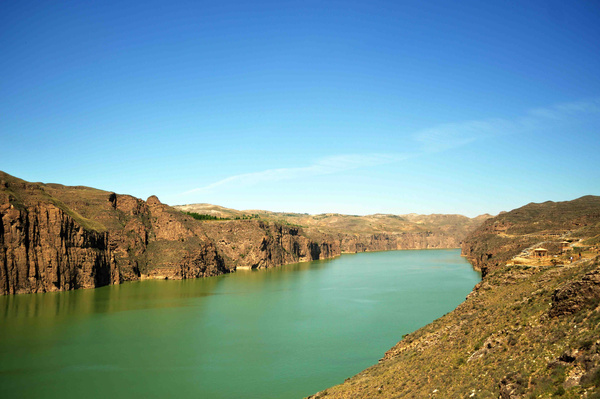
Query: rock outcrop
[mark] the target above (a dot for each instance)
(576, 295)
(54, 237)
(43, 248)
(499, 239)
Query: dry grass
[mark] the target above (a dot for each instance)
(500, 339)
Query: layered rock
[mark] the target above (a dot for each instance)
(42, 248)
(54, 237)
(352, 243)
(258, 244)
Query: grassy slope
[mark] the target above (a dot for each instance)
(501, 339)
(23, 194)
(507, 339)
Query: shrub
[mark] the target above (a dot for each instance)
(201, 216)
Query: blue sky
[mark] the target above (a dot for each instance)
(307, 106)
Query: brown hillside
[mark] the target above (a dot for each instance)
(530, 329)
(548, 224)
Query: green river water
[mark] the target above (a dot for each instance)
(280, 333)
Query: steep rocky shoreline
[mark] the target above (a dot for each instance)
(45, 249)
(55, 238)
(378, 232)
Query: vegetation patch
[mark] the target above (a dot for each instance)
(203, 216)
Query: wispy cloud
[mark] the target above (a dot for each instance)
(439, 138)
(453, 135)
(324, 166)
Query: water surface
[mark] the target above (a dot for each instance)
(279, 333)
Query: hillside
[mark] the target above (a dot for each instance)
(575, 223)
(365, 233)
(530, 329)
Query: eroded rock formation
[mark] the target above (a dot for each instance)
(54, 237)
(42, 248)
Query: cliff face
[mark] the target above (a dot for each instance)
(258, 244)
(352, 243)
(353, 233)
(54, 237)
(42, 248)
(379, 232)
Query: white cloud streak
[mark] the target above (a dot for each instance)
(453, 135)
(436, 139)
(324, 166)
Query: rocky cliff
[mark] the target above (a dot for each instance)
(548, 224)
(54, 237)
(352, 243)
(42, 248)
(379, 232)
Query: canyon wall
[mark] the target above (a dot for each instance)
(55, 237)
(352, 243)
(44, 249)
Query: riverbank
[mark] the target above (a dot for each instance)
(526, 330)
(282, 332)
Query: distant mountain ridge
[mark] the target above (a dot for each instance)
(457, 225)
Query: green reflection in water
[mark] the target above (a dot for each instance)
(277, 333)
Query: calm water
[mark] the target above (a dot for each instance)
(280, 333)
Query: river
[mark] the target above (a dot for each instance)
(285, 332)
